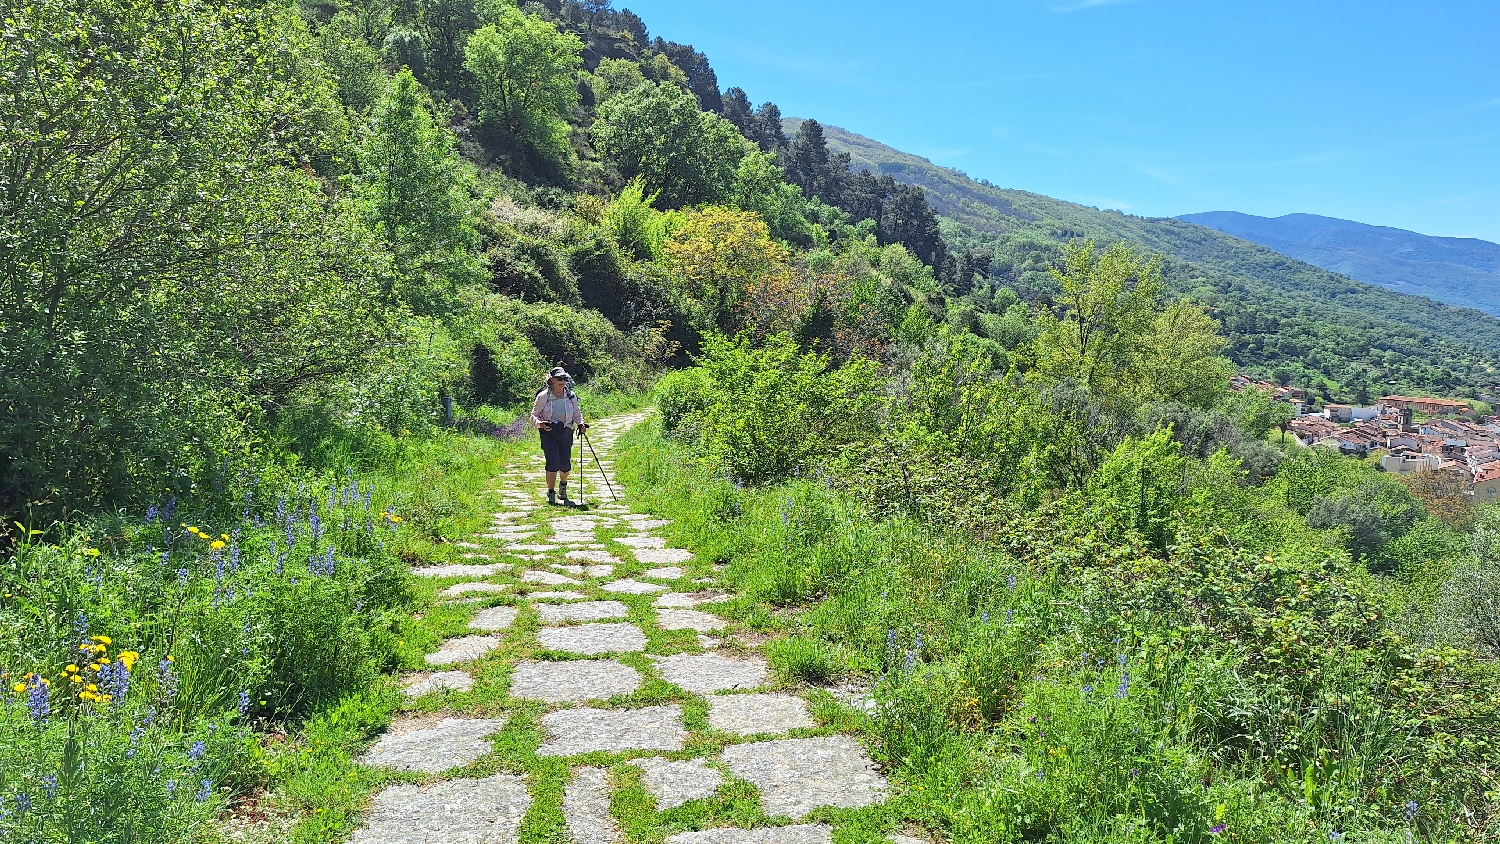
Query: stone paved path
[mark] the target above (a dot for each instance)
(576, 613)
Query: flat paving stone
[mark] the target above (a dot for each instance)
(708, 673)
(796, 776)
(663, 556)
(460, 589)
(599, 570)
(642, 541)
(664, 573)
(574, 731)
(452, 743)
(584, 611)
(548, 578)
(492, 619)
(676, 783)
(593, 556)
(748, 715)
(688, 600)
(487, 570)
(689, 620)
(458, 681)
(464, 811)
(463, 649)
(559, 682)
(590, 639)
(811, 833)
(585, 808)
(557, 596)
(629, 586)
(471, 546)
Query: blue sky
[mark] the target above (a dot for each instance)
(1382, 112)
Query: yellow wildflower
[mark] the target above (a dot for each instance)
(217, 545)
(18, 688)
(129, 658)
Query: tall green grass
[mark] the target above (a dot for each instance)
(1048, 685)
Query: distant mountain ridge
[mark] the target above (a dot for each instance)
(1285, 318)
(1459, 271)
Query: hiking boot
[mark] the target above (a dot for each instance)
(552, 496)
(562, 493)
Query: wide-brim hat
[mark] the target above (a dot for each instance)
(559, 372)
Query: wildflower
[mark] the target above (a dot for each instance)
(1088, 689)
(153, 514)
(1010, 615)
(1335, 835)
(23, 803)
(316, 523)
(38, 698)
(244, 703)
(81, 627)
(135, 739)
(217, 545)
(1120, 658)
(984, 618)
(205, 790)
(170, 510)
(1218, 829)
(197, 751)
(1124, 689)
(1411, 810)
(167, 680)
(182, 577)
(49, 782)
(1011, 582)
(116, 679)
(890, 639)
(171, 788)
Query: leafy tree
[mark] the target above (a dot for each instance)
(154, 190)
(701, 79)
(1257, 412)
(656, 132)
(759, 187)
(525, 76)
(417, 198)
(717, 253)
(353, 63)
(1115, 340)
(1139, 486)
(635, 226)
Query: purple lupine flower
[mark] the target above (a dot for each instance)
(1121, 659)
(1011, 582)
(315, 522)
(890, 639)
(984, 618)
(1218, 829)
(205, 790)
(171, 509)
(234, 558)
(171, 789)
(244, 703)
(1088, 689)
(153, 514)
(115, 679)
(23, 803)
(135, 740)
(49, 782)
(1411, 810)
(1124, 689)
(81, 627)
(182, 577)
(38, 699)
(197, 751)
(167, 681)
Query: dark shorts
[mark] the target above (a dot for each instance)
(557, 447)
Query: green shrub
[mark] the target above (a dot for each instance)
(776, 412)
(681, 398)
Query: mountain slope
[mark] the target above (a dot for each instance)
(1458, 271)
(1284, 318)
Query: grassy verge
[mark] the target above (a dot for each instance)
(1047, 686)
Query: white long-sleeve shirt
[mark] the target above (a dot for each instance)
(562, 409)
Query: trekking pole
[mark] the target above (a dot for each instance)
(602, 473)
(583, 465)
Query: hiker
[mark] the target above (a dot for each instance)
(557, 415)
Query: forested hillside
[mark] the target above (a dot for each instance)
(282, 280)
(1457, 270)
(1286, 320)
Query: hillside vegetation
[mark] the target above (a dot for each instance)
(1459, 271)
(1286, 320)
(281, 276)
